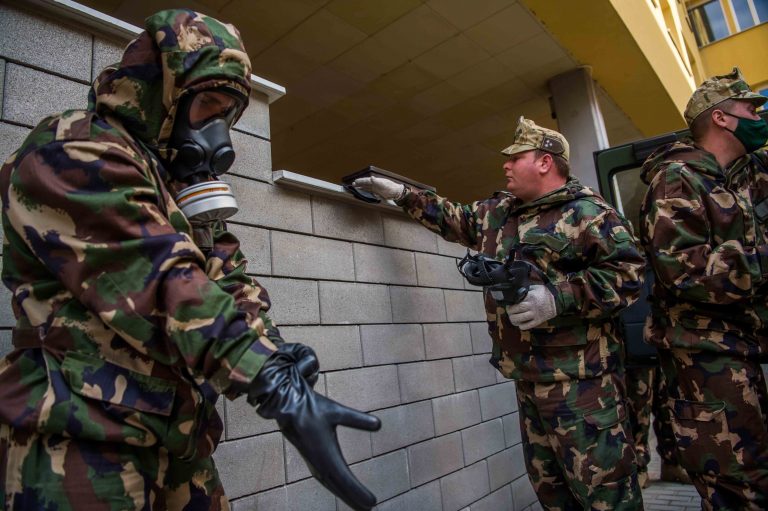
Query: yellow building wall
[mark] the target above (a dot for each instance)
(632, 53)
(747, 49)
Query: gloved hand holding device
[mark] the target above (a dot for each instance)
(384, 188)
(283, 391)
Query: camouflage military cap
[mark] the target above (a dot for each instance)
(717, 89)
(529, 136)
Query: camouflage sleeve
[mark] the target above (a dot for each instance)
(453, 221)
(613, 270)
(226, 265)
(89, 213)
(685, 258)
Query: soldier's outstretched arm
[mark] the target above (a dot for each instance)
(684, 258)
(613, 274)
(453, 221)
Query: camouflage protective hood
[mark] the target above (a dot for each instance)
(683, 152)
(180, 51)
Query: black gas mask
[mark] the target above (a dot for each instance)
(507, 282)
(204, 151)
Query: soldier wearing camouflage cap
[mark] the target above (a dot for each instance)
(560, 342)
(134, 310)
(705, 229)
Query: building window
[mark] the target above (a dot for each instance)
(763, 92)
(750, 12)
(708, 21)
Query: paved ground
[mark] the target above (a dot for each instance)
(663, 496)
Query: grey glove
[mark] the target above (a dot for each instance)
(537, 307)
(384, 188)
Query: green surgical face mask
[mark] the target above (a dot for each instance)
(750, 132)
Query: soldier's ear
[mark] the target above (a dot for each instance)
(546, 163)
(719, 118)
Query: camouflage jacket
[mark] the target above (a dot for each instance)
(126, 332)
(705, 231)
(589, 259)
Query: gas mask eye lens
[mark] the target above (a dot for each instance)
(209, 105)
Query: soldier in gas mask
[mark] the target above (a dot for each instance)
(134, 311)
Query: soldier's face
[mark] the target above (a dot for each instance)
(523, 173)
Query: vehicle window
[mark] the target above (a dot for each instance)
(629, 191)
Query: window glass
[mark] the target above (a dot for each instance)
(629, 190)
(763, 92)
(708, 22)
(743, 13)
(761, 6)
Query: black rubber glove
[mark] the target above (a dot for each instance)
(283, 391)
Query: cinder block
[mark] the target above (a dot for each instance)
(417, 305)
(296, 255)
(447, 340)
(450, 248)
(105, 53)
(404, 232)
(392, 344)
(2, 85)
(6, 345)
(272, 499)
(498, 400)
(384, 265)
(267, 205)
(500, 499)
(343, 303)
(438, 271)
(30, 95)
(67, 51)
(250, 465)
(481, 339)
(344, 221)
(11, 137)
(293, 301)
(435, 458)
(402, 426)
(456, 411)
(386, 476)
(522, 493)
(254, 156)
(308, 494)
(424, 380)
(337, 347)
(464, 487)
(242, 420)
(482, 440)
(512, 433)
(255, 119)
(369, 388)
(255, 245)
(506, 466)
(423, 498)
(473, 372)
(355, 446)
(465, 306)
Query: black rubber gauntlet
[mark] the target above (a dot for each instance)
(283, 391)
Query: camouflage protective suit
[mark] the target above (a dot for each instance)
(126, 332)
(705, 230)
(570, 387)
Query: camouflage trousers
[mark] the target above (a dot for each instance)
(646, 398)
(578, 445)
(719, 406)
(50, 472)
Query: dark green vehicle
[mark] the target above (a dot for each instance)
(618, 171)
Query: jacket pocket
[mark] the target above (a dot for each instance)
(94, 378)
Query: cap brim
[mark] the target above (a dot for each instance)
(517, 148)
(753, 97)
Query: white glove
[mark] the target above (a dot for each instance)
(537, 307)
(384, 188)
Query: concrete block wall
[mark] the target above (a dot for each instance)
(397, 331)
